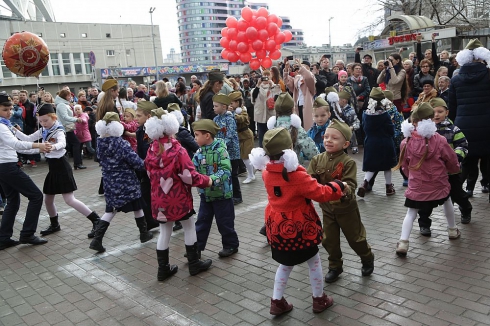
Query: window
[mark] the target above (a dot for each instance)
(62, 35)
(45, 71)
(84, 35)
(108, 35)
(110, 53)
(128, 52)
(55, 64)
(78, 63)
(6, 72)
(86, 61)
(66, 63)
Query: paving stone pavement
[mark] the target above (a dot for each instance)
(440, 282)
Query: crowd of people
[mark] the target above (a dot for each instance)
(424, 115)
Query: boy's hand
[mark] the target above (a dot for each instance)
(346, 189)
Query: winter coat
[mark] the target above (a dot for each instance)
(444, 95)
(163, 102)
(307, 88)
(395, 83)
(228, 132)
(290, 217)
(65, 114)
(187, 141)
(430, 182)
(81, 129)
(424, 98)
(30, 121)
(172, 175)
(361, 88)
(379, 147)
(130, 127)
(418, 80)
(16, 118)
(245, 135)
(316, 133)
(206, 104)
(330, 76)
(259, 98)
(469, 106)
(119, 162)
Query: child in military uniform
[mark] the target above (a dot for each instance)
(213, 160)
(343, 214)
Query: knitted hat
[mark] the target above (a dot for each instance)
(146, 106)
(215, 76)
(437, 101)
(276, 140)
(158, 112)
(377, 94)
(130, 110)
(345, 95)
(342, 72)
(108, 84)
(330, 89)
(284, 104)
(45, 108)
(206, 125)
(320, 102)
(111, 116)
(473, 51)
(422, 112)
(222, 99)
(342, 127)
(5, 99)
(235, 96)
(389, 95)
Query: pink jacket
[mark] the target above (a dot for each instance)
(430, 182)
(131, 127)
(81, 129)
(172, 174)
(307, 88)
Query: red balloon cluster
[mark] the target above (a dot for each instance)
(255, 38)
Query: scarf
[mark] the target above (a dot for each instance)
(49, 133)
(8, 124)
(388, 74)
(356, 80)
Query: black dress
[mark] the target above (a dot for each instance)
(60, 178)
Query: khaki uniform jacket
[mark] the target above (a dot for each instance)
(245, 135)
(327, 167)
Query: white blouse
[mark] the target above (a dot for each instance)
(9, 146)
(57, 140)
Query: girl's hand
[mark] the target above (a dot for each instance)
(45, 147)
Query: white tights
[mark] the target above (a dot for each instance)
(369, 175)
(250, 168)
(109, 216)
(316, 278)
(70, 200)
(190, 237)
(412, 215)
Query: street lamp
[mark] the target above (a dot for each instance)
(152, 9)
(330, 38)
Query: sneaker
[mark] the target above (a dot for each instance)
(355, 150)
(453, 233)
(227, 252)
(425, 231)
(402, 247)
(248, 180)
(33, 164)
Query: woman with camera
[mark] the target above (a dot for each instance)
(263, 100)
(394, 77)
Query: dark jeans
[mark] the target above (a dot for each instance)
(235, 166)
(261, 130)
(225, 221)
(15, 182)
(73, 145)
(470, 171)
(458, 196)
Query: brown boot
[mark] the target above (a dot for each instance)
(390, 190)
(322, 303)
(361, 192)
(279, 307)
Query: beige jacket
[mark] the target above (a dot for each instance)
(396, 82)
(307, 88)
(261, 112)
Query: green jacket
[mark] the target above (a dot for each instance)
(327, 167)
(213, 160)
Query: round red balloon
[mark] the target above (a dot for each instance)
(257, 45)
(280, 38)
(231, 22)
(274, 55)
(261, 22)
(242, 25)
(263, 35)
(224, 31)
(288, 35)
(254, 64)
(272, 18)
(266, 62)
(247, 14)
(262, 12)
(241, 37)
(270, 45)
(233, 56)
(224, 54)
(25, 54)
(224, 42)
(232, 33)
(260, 54)
(245, 57)
(232, 45)
(252, 33)
(242, 47)
(272, 29)
(279, 22)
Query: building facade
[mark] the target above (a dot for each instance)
(200, 24)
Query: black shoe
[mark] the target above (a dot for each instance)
(367, 267)
(227, 252)
(485, 189)
(51, 229)
(80, 167)
(196, 265)
(165, 270)
(237, 201)
(8, 243)
(263, 231)
(145, 235)
(94, 218)
(33, 240)
(425, 231)
(333, 275)
(177, 226)
(100, 231)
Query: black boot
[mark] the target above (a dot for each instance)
(367, 267)
(94, 218)
(151, 223)
(165, 270)
(465, 214)
(177, 226)
(145, 235)
(53, 227)
(100, 230)
(193, 257)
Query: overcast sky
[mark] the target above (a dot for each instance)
(348, 16)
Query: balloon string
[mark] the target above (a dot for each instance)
(37, 118)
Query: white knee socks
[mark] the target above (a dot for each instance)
(281, 280)
(387, 177)
(164, 236)
(449, 212)
(368, 176)
(250, 168)
(190, 237)
(408, 223)
(316, 275)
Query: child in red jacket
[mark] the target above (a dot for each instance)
(294, 230)
(172, 174)
(130, 126)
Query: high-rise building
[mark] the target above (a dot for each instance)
(200, 24)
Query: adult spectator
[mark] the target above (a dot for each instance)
(395, 79)
(444, 82)
(408, 66)
(209, 89)
(110, 88)
(469, 95)
(33, 99)
(367, 68)
(164, 97)
(428, 93)
(326, 72)
(30, 124)
(247, 101)
(122, 102)
(360, 85)
(442, 71)
(303, 87)
(65, 116)
(263, 100)
(340, 64)
(423, 75)
(142, 88)
(193, 79)
(93, 95)
(277, 79)
(130, 94)
(82, 99)
(348, 69)
(320, 80)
